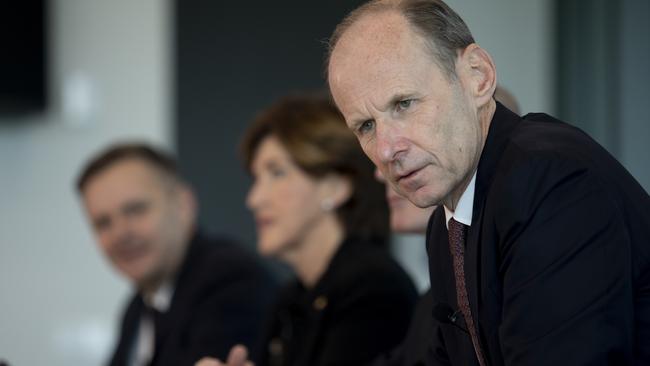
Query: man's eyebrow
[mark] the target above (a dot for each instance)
(357, 118)
(355, 123)
(100, 220)
(396, 98)
(136, 204)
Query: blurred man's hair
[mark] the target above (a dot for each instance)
(156, 158)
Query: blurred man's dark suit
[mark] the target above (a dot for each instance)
(220, 296)
(557, 258)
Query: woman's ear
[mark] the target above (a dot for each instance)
(335, 190)
(478, 74)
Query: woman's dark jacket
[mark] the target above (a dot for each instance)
(359, 308)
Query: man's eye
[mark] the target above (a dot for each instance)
(102, 224)
(403, 104)
(136, 208)
(277, 172)
(366, 126)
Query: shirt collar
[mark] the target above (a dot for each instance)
(465, 207)
(162, 298)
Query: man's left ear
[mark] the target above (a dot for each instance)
(478, 73)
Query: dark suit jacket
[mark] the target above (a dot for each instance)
(557, 256)
(360, 307)
(220, 298)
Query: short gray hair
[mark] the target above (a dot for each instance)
(444, 31)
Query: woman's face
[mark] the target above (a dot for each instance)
(285, 201)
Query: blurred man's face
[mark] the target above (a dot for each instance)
(140, 218)
(419, 128)
(405, 217)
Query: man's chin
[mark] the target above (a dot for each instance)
(140, 277)
(139, 280)
(422, 200)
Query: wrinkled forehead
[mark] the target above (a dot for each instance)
(375, 60)
(367, 37)
(372, 43)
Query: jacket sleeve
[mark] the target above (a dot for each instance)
(565, 267)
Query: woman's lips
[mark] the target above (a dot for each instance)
(263, 222)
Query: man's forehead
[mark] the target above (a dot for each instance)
(385, 44)
(123, 169)
(127, 176)
(368, 35)
(391, 70)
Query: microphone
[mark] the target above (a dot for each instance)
(445, 314)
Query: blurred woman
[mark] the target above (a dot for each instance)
(318, 208)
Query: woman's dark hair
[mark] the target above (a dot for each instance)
(314, 133)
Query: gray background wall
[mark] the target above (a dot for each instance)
(634, 132)
(60, 300)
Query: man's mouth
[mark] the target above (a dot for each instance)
(410, 180)
(131, 252)
(408, 175)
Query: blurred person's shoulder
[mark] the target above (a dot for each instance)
(369, 266)
(222, 260)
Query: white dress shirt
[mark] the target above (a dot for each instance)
(146, 338)
(465, 207)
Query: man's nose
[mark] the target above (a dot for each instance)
(120, 228)
(389, 144)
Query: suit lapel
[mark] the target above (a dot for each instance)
(128, 334)
(179, 307)
(480, 257)
(163, 325)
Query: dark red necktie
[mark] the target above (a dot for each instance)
(457, 234)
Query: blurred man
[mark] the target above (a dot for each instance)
(194, 296)
(534, 209)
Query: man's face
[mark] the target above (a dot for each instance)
(419, 128)
(141, 220)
